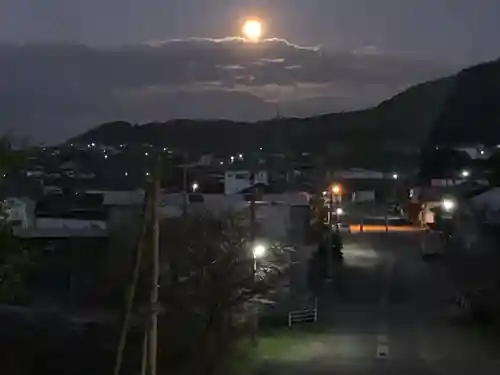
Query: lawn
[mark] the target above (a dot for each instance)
(275, 344)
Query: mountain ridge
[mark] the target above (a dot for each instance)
(419, 115)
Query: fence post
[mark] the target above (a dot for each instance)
(315, 309)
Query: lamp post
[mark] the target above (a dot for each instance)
(335, 198)
(258, 252)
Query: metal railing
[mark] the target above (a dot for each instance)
(303, 316)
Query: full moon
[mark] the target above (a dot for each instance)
(252, 29)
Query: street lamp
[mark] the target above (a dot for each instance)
(395, 176)
(339, 211)
(448, 204)
(465, 173)
(336, 189)
(259, 251)
(195, 186)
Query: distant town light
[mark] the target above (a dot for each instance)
(232, 159)
(481, 152)
(164, 149)
(126, 174)
(465, 173)
(146, 153)
(147, 174)
(240, 156)
(336, 189)
(395, 176)
(195, 186)
(93, 144)
(105, 156)
(221, 163)
(339, 211)
(260, 149)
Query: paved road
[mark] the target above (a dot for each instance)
(388, 313)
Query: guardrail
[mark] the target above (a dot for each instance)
(303, 316)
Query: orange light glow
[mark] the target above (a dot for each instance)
(336, 189)
(252, 29)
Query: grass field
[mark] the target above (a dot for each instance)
(274, 344)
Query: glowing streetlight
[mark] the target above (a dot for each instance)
(259, 251)
(336, 189)
(395, 176)
(339, 211)
(195, 186)
(465, 173)
(146, 154)
(448, 205)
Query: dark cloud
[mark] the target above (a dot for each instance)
(56, 90)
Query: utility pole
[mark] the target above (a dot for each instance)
(252, 207)
(330, 235)
(150, 227)
(184, 186)
(155, 275)
(133, 285)
(255, 317)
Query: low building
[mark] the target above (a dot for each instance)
(237, 180)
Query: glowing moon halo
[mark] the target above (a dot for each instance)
(252, 29)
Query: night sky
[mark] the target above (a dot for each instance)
(369, 50)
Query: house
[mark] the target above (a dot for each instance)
(19, 212)
(237, 180)
(474, 151)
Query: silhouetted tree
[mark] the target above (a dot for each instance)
(210, 289)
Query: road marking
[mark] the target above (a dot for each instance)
(382, 346)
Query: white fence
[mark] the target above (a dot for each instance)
(303, 316)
